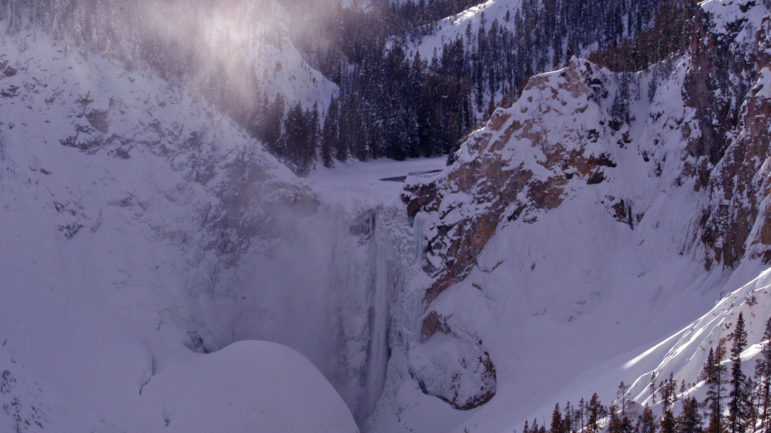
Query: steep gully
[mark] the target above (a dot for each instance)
(338, 290)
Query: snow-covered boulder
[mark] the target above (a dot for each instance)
(249, 386)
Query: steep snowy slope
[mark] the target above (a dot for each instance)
(450, 28)
(603, 208)
(138, 219)
(235, 54)
(683, 354)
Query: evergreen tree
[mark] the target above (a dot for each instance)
(299, 138)
(619, 422)
(668, 422)
(621, 395)
(534, 427)
(568, 419)
(614, 423)
(267, 124)
(668, 399)
(557, 425)
(689, 420)
(763, 376)
(738, 404)
(329, 135)
(714, 377)
(647, 422)
(753, 403)
(595, 412)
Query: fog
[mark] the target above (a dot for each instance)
(233, 52)
(270, 260)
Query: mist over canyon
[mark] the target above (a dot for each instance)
(377, 216)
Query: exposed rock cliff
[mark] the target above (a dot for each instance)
(690, 132)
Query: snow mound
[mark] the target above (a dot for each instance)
(249, 386)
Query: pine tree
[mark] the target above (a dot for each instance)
(556, 420)
(647, 422)
(689, 420)
(737, 406)
(614, 424)
(568, 425)
(668, 395)
(763, 376)
(267, 124)
(668, 422)
(714, 377)
(329, 135)
(621, 395)
(595, 412)
(668, 399)
(619, 422)
(753, 399)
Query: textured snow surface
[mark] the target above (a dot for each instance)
(450, 28)
(138, 225)
(726, 13)
(247, 386)
(684, 353)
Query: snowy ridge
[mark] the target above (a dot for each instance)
(452, 27)
(240, 50)
(683, 354)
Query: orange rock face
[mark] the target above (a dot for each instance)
(518, 168)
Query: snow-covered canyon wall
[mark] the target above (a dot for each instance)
(606, 208)
(140, 224)
(236, 53)
(140, 227)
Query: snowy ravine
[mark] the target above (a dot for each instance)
(141, 228)
(146, 241)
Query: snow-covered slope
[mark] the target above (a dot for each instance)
(248, 386)
(470, 20)
(235, 53)
(684, 353)
(602, 210)
(140, 223)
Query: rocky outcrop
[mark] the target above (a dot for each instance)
(726, 87)
(493, 183)
(490, 184)
(703, 128)
(452, 366)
